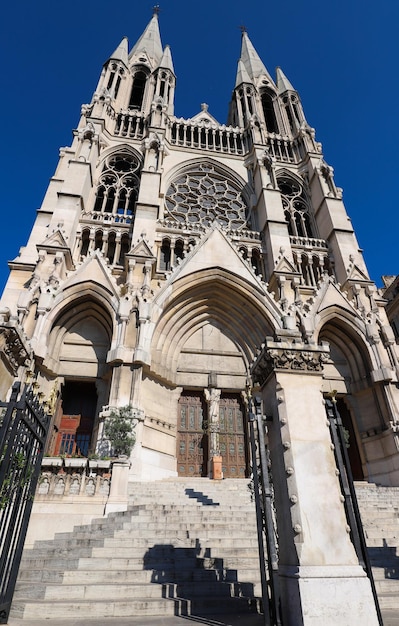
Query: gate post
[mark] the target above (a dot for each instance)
(321, 581)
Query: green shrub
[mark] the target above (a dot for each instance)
(119, 430)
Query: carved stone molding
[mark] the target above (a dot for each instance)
(295, 357)
(13, 350)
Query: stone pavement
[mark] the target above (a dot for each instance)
(228, 620)
(390, 618)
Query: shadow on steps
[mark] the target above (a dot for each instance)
(199, 585)
(201, 497)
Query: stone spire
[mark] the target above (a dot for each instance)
(149, 43)
(242, 74)
(283, 84)
(121, 52)
(251, 60)
(166, 62)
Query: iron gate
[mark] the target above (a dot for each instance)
(349, 493)
(23, 432)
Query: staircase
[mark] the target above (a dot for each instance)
(184, 547)
(379, 508)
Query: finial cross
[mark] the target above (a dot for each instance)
(243, 28)
(156, 9)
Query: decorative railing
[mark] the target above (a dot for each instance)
(205, 136)
(130, 124)
(197, 228)
(107, 218)
(308, 242)
(285, 149)
(311, 258)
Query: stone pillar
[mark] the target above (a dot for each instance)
(321, 580)
(117, 500)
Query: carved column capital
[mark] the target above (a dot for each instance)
(13, 350)
(290, 357)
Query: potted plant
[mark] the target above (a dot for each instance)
(75, 461)
(119, 430)
(52, 461)
(98, 462)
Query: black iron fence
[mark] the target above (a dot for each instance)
(23, 432)
(349, 493)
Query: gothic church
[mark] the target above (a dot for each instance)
(174, 265)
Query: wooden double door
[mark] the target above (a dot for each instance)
(193, 436)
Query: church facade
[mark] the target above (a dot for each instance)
(177, 264)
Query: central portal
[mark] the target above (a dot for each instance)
(211, 424)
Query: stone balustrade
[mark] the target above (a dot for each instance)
(74, 477)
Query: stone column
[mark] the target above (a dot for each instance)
(321, 580)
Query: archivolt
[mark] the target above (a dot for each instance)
(353, 346)
(78, 310)
(212, 298)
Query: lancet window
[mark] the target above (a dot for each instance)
(114, 79)
(169, 253)
(291, 105)
(254, 257)
(138, 89)
(118, 189)
(296, 207)
(203, 195)
(269, 112)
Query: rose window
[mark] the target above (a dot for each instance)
(202, 196)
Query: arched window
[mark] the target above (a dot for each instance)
(125, 246)
(269, 112)
(256, 261)
(118, 188)
(289, 113)
(244, 252)
(98, 240)
(85, 242)
(118, 84)
(137, 93)
(111, 76)
(111, 247)
(164, 257)
(296, 207)
(179, 249)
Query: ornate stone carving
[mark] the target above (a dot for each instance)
(292, 357)
(12, 349)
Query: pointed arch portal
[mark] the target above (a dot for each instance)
(204, 342)
(347, 376)
(80, 340)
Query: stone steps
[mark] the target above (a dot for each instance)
(180, 547)
(379, 507)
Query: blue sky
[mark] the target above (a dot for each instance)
(342, 57)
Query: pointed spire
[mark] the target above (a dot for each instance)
(121, 52)
(283, 84)
(149, 42)
(242, 74)
(166, 61)
(251, 59)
